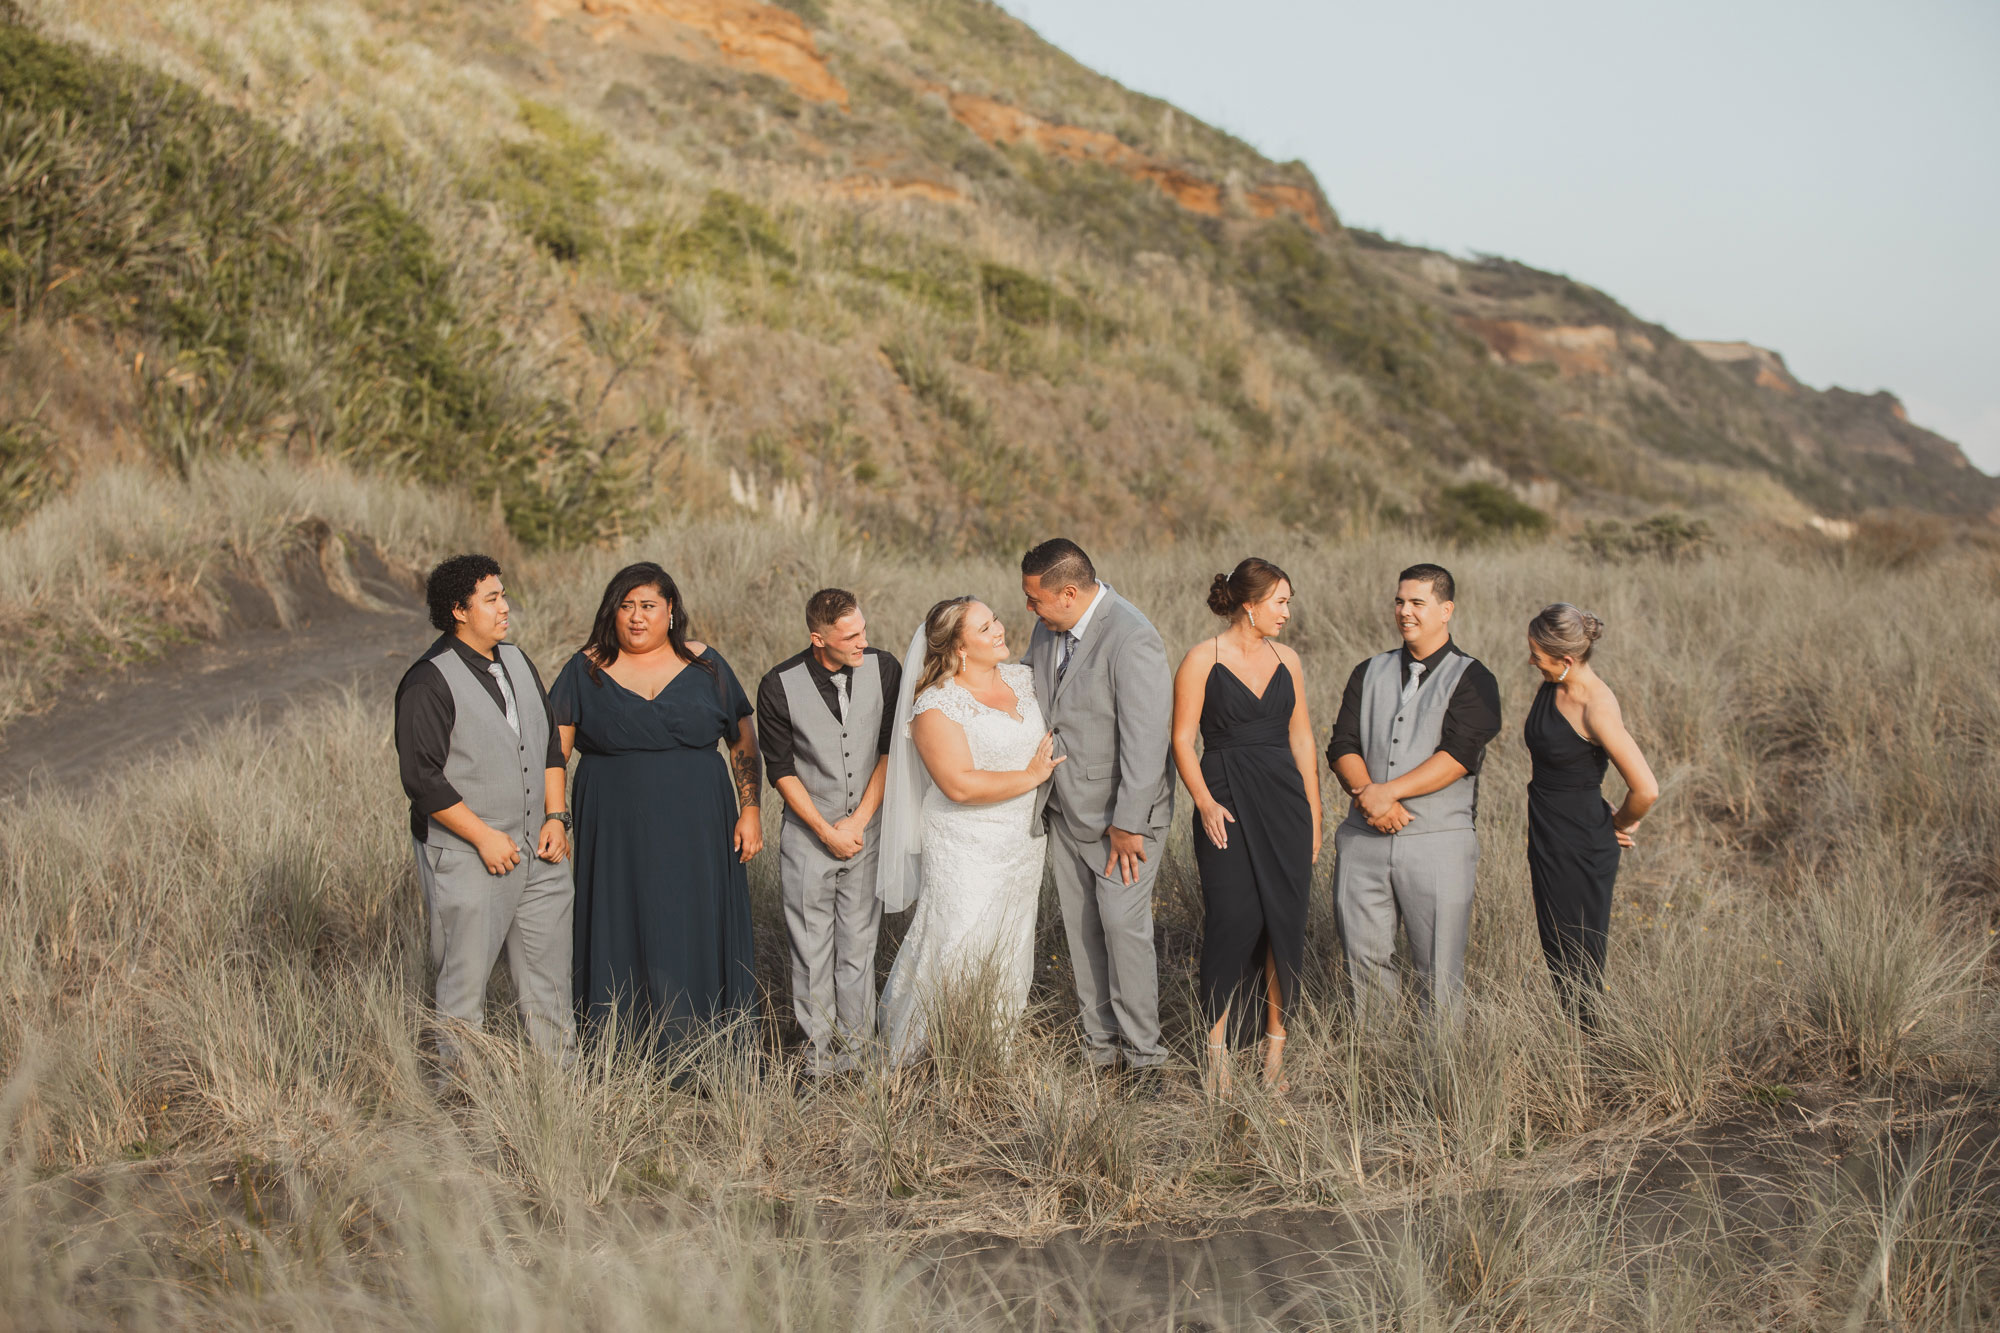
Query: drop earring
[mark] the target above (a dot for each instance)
(1252, 617)
(1565, 675)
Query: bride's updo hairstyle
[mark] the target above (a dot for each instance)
(1563, 630)
(1250, 584)
(942, 627)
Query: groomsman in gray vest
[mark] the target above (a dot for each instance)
(1101, 674)
(823, 720)
(483, 768)
(1414, 724)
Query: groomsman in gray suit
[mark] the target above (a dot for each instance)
(1101, 674)
(823, 724)
(483, 768)
(1414, 724)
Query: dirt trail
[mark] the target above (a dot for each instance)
(101, 725)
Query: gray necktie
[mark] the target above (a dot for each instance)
(1416, 679)
(507, 694)
(840, 693)
(1069, 647)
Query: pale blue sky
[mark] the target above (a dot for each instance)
(1819, 178)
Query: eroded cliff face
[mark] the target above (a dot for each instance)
(902, 262)
(737, 34)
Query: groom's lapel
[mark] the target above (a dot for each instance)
(1100, 630)
(1040, 656)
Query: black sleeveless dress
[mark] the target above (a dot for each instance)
(1572, 848)
(1253, 891)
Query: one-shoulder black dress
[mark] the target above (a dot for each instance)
(662, 902)
(1253, 891)
(1572, 849)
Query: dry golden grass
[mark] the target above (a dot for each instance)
(215, 1107)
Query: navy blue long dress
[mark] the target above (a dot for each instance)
(1253, 891)
(1572, 850)
(662, 902)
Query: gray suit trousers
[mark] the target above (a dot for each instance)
(1426, 881)
(832, 916)
(472, 914)
(1110, 927)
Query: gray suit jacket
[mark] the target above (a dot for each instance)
(1113, 717)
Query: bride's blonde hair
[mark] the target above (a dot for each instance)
(942, 627)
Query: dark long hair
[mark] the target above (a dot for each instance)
(602, 647)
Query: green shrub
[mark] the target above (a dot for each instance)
(1479, 510)
(1667, 536)
(550, 184)
(278, 297)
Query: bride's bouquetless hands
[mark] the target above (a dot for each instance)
(1045, 760)
(749, 838)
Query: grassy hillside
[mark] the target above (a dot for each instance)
(894, 261)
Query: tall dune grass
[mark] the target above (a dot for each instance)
(215, 1108)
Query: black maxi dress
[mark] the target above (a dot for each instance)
(662, 903)
(1253, 891)
(1572, 849)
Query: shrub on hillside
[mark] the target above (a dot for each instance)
(1667, 536)
(278, 300)
(1479, 511)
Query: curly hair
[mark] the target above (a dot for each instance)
(450, 586)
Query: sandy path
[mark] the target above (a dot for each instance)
(97, 729)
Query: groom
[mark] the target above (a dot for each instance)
(1101, 672)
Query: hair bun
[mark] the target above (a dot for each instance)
(1221, 600)
(1593, 626)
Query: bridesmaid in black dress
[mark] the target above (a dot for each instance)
(1573, 731)
(1257, 813)
(662, 834)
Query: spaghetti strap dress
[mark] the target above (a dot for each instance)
(1572, 850)
(662, 902)
(1254, 891)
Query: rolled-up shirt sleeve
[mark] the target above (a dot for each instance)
(1472, 718)
(1346, 738)
(424, 717)
(774, 727)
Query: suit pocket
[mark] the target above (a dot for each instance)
(1100, 772)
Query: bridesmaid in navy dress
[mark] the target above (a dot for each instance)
(1574, 730)
(662, 831)
(1257, 814)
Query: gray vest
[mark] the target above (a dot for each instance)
(1396, 738)
(501, 776)
(834, 759)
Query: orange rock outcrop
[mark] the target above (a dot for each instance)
(741, 34)
(1573, 349)
(998, 122)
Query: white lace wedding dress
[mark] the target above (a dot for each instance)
(982, 874)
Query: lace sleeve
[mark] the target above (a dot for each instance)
(949, 699)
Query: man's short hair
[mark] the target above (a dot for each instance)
(1437, 576)
(827, 606)
(1060, 563)
(450, 586)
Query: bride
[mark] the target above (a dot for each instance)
(969, 749)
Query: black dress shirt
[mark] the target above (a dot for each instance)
(1471, 719)
(426, 712)
(774, 707)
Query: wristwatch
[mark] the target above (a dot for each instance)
(561, 817)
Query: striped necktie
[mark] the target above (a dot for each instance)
(1069, 649)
